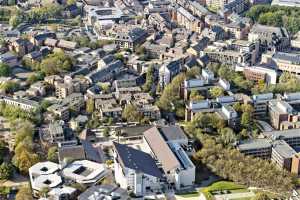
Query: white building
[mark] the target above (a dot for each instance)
(178, 168)
(85, 171)
(44, 175)
(136, 170)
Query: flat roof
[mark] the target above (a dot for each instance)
(283, 149)
(289, 133)
(254, 144)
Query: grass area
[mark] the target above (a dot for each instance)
(190, 194)
(4, 190)
(222, 186)
(245, 198)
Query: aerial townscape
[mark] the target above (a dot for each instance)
(149, 99)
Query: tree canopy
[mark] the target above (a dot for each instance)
(276, 16)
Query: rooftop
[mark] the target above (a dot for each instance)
(161, 149)
(254, 144)
(283, 149)
(137, 160)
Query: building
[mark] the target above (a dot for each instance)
(44, 175)
(84, 172)
(175, 163)
(9, 58)
(261, 148)
(130, 38)
(104, 191)
(260, 104)
(261, 73)
(289, 3)
(23, 104)
(168, 71)
(282, 154)
(270, 37)
(284, 62)
(282, 115)
(136, 170)
(186, 19)
(21, 46)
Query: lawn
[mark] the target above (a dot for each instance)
(189, 195)
(222, 186)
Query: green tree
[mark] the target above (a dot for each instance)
(261, 196)
(196, 96)
(52, 154)
(216, 91)
(10, 86)
(227, 136)
(149, 79)
(90, 106)
(106, 132)
(131, 114)
(6, 171)
(246, 119)
(24, 193)
(4, 70)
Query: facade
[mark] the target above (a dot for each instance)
(282, 154)
(285, 62)
(261, 148)
(282, 115)
(260, 104)
(259, 73)
(168, 71)
(186, 19)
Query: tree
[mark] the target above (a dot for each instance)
(227, 136)
(24, 160)
(6, 171)
(106, 132)
(55, 63)
(52, 154)
(216, 91)
(10, 86)
(4, 70)
(45, 104)
(24, 193)
(22, 131)
(149, 79)
(261, 196)
(90, 106)
(195, 96)
(246, 119)
(131, 114)
(71, 2)
(170, 93)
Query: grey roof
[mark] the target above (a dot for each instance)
(161, 149)
(173, 133)
(283, 149)
(254, 144)
(290, 57)
(289, 133)
(131, 35)
(98, 75)
(91, 152)
(74, 152)
(99, 192)
(137, 160)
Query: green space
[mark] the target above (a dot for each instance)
(189, 195)
(279, 16)
(222, 187)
